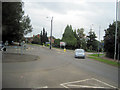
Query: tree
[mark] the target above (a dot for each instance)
(92, 43)
(77, 38)
(109, 40)
(57, 43)
(14, 23)
(36, 40)
(43, 37)
(81, 33)
(69, 37)
(25, 25)
(82, 39)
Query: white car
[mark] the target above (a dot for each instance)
(79, 53)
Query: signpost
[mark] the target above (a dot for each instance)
(62, 44)
(22, 46)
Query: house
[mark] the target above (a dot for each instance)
(28, 39)
(53, 39)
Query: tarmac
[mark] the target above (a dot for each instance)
(17, 57)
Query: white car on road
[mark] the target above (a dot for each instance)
(79, 53)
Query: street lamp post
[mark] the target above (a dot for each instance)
(99, 43)
(51, 33)
(116, 30)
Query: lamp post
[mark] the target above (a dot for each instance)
(91, 27)
(99, 43)
(51, 32)
(116, 30)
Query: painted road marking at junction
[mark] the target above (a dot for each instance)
(81, 86)
(92, 83)
(104, 83)
(36, 88)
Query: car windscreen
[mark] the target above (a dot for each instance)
(81, 51)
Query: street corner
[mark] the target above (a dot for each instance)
(91, 83)
(17, 57)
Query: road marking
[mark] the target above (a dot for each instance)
(72, 84)
(37, 88)
(86, 86)
(64, 86)
(104, 83)
(77, 81)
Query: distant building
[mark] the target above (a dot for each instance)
(28, 39)
(53, 39)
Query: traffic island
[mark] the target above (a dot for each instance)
(16, 57)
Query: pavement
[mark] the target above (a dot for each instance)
(45, 68)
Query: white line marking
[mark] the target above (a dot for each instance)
(71, 84)
(41, 87)
(63, 85)
(77, 81)
(104, 83)
(86, 86)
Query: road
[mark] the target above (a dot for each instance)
(58, 69)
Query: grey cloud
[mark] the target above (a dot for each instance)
(98, 13)
(60, 7)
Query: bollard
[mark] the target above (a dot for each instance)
(64, 49)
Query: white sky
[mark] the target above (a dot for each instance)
(78, 13)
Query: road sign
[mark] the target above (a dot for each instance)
(62, 43)
(6, 43)
(47, 43)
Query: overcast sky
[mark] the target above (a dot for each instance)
(80, 14)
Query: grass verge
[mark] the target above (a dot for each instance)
(95, 57)
(34, 44)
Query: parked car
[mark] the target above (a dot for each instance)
(79, 53)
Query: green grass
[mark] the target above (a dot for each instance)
(95, 57)
(34, 44)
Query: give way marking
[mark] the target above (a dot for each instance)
(88, 83)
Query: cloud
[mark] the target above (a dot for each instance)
(79, 15)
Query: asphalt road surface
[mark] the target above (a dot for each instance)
(58, 69)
